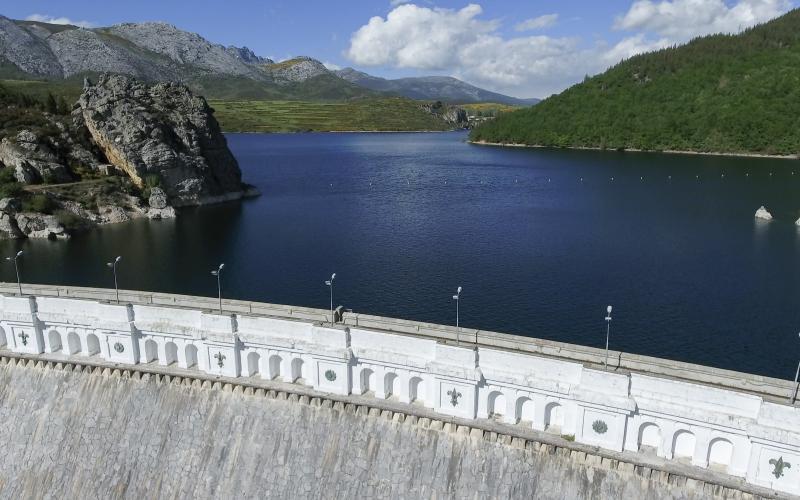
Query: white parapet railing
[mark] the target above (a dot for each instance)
(743, 425)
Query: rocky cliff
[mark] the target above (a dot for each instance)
(128, 150)
(160, 134)
(87, 435)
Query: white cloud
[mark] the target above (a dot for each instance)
(537, 23)
(331, 66)
(395, 3)
(59, 20)
(461, 43)
(680, 20)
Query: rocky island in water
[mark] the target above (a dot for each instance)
(125, 150)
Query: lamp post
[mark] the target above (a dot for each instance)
(330, 285)
(113, 265)
(218, 273)
(608, 332)
(793, 395)
(16, 268)
(456, 297)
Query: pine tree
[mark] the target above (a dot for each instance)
(63, 107)
(50, 105)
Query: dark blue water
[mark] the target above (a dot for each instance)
(404, 219)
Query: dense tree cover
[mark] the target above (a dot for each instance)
(19, 110)
(721, 93)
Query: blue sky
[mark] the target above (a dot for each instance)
(523, 48)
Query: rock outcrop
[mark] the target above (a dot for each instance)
(296, 70)
(160, 135)
(453, 115)
(32, 159)
(36, 225)
(763, 214)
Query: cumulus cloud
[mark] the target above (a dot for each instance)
(461, 43)
(58, 20)
(537, 23)
(681, 20)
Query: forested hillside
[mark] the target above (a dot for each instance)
(722, 93)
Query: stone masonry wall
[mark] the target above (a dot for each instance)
(68, 431)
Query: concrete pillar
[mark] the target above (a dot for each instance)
(286, 366)
(510, 416)
(181, 354)
(404, 380)
(702, 438)
(539, 408)
(162, 352)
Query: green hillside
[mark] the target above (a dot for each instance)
(722, 93)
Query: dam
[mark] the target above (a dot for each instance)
(163, 395)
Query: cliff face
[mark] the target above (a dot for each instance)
(87, 435)
(160, 134)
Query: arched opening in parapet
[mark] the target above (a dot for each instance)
(3, 340)
(416, 389)
(367, 380)
(649, 437)
(297, 369)
(54, 340)
(524, 410)
(92, 344)
(390, 383)
(170, 353)
(496, 404)
(553, 417)
(253, 360)
(720, 452)
(73, 343)
(191, 356)
(274, 366)
(150, 351)
(683, 444)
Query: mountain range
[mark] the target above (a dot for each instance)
(720, 93)
(156, 51)
(445, 88)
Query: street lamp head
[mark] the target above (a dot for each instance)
(19, 254)
(215, 273)
(119, 258)
(221, 266)
(328, 282)
(455, 297)
(458, 291)
(333, 276)
(608, 309)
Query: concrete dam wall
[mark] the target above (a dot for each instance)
(72, 431)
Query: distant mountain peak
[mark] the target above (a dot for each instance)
(443, 88)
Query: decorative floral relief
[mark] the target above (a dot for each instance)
(599, 427)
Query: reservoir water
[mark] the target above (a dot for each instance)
(540, 240)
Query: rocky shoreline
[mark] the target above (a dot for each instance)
(126, 150)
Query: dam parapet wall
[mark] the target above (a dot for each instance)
(739, 425)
